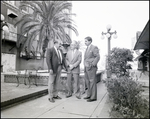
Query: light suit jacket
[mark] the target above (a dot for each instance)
(91, 56)
(75, 61)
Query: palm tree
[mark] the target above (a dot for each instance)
(48, 21)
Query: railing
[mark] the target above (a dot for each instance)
(11, 36)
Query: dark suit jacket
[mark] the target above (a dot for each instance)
(52, 59)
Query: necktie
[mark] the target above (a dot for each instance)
(72, 54)
(87, 49)
(59, 55)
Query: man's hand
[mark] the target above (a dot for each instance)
(92, 65)
(71, 67)
(51, 71)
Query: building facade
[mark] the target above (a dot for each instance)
(142, 43)
(10, 11)
(12, 58)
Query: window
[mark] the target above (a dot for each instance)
(142, 64)
(8, 62)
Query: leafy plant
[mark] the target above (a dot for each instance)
(123, 90)
(118, 61)
(127, 98)
(49, 20)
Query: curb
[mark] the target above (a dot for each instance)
(15, 101)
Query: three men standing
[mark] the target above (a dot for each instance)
(55, 60)
(91, 58)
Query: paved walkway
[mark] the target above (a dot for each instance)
(10, 91)
(64, 108)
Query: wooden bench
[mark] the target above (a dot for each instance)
(29, 75)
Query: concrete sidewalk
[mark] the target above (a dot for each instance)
(12, 95)
(64, 108)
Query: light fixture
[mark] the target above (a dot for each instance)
(108, 27)
(2, 17)
(5, 28)
(115, 36)
(4, 25)
(102, 36)
(108, 35)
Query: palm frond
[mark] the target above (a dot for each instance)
(29, 24)
(59, 35)
(44, 8)
(74, 29)
(21, 40)
(51, 10)
(25, 18)
(49, 20)
(33, 36)
(68, 39)
(29, 4)
(61, 29)
(62, 6)
(34, 28)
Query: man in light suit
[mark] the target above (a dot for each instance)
(73, 60)
(55, 61)
(91, 58)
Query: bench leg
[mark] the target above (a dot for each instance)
(29, 82)
(35, 81)
(17, 81)
(25, 81)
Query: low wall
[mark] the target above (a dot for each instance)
(41, 78)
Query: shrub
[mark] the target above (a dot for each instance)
(123, 91)
(126, 96)
(118, 61)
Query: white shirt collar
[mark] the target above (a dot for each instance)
(57, 51)
(89, 46)
(74, 50)
(55, 48)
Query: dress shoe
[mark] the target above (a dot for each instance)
(86, 97)
(67, 96)
(78, 97)
(90, 100)
(57, 97)
(51, 100)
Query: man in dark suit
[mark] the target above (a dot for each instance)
(91, 58)
(55, 61)
(73, 60)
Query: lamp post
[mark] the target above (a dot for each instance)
(108, 35)
(4, 27)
